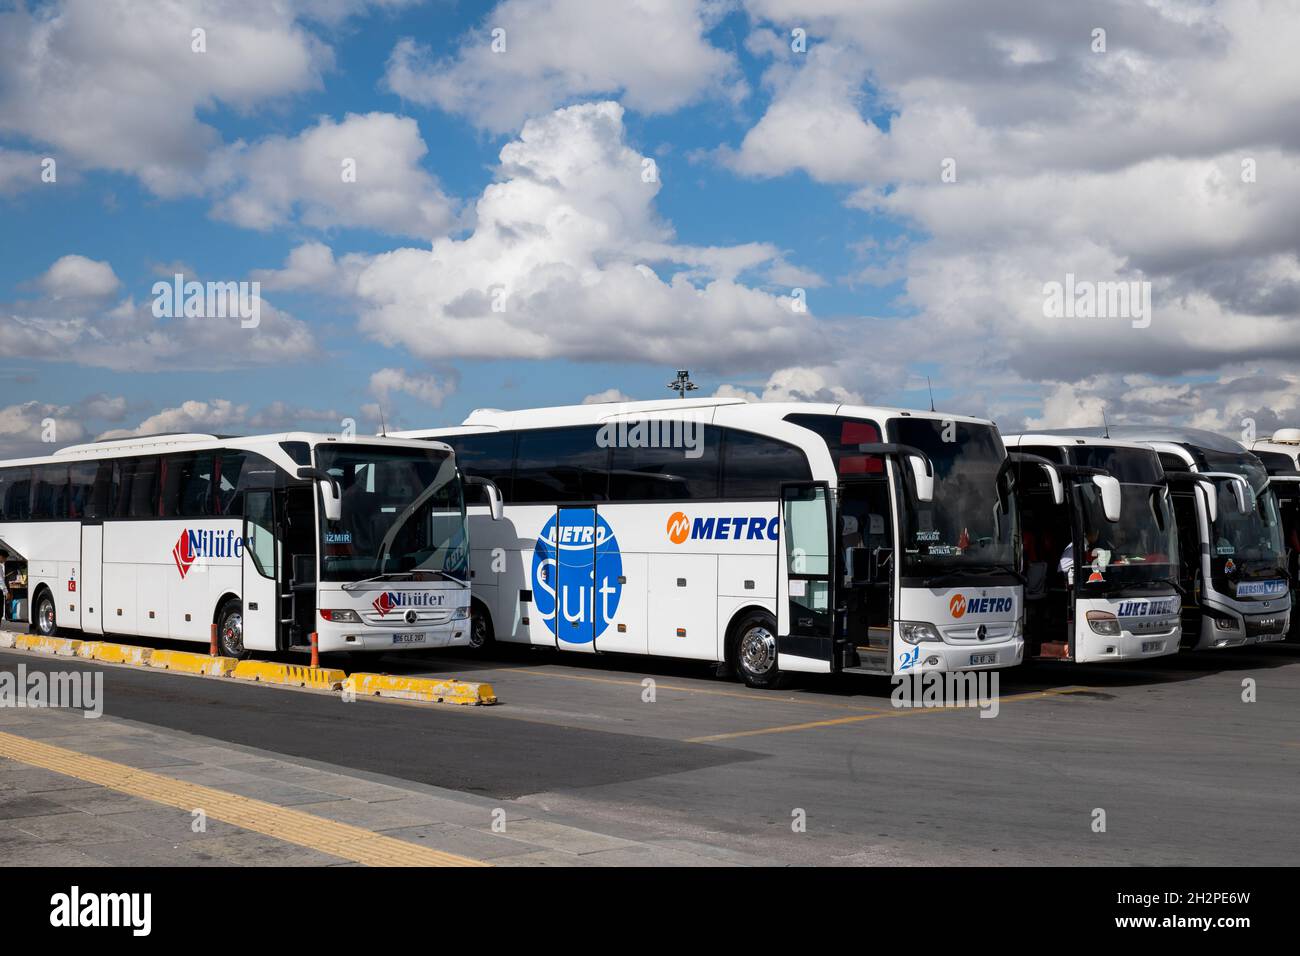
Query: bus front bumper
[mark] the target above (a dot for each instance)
(364, 637)
(943, 656)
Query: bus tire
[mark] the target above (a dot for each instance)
(754, 652)
(44, 621)
(481, 636)
(230, 629)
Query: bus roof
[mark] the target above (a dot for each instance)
(1172, 434)
(1064, 438)
(268, 445)
(737, 412)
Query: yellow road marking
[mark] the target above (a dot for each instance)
(342, 840)
(858, 718)
(764, 698)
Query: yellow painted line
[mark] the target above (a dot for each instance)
(185, 662)
(419, 688)
(858, 718)
(342, 840)
(60, 646)
(765, 697)
(295, 675)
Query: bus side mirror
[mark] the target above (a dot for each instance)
(1211, 502)
(492, 492)
(329, 491)
(924, 480)
(1054, 479)
(1110, 495)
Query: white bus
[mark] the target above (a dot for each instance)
(269, 538)
(1281, 457)
(1232, 560)
(1101, 549)
(767, 537)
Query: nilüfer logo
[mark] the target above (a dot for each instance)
(389, 601)
(192, 545)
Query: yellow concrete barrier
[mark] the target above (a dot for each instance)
(111, 653)
(419, 688)
(295, 675)
(185, 662)
(7, 638)
(60, 646)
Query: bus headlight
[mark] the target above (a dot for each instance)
(460, 614)
(914, 632)
(1225, 623)
(1103, 623)
(340, 615)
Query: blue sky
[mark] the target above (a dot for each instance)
(777, 169)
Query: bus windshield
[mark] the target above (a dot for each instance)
(1142, 546)
(402, 513)
(1244, 546)
(968, 527)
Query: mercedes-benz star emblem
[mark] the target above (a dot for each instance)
(411, 617)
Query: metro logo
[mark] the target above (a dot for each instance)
(960, 605)
(739, 528)
(193, 545)
(389, 601)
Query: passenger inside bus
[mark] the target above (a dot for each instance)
(1097, 553)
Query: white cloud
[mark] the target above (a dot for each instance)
(428, 389)
(25, 426)
(223, 416)
(283, 179)
(565, 260)
(653, 53)
(76, 277)
(607, 396)
(75, 321)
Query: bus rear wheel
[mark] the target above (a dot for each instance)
(43, 616)
(230, 629)
(754, 653)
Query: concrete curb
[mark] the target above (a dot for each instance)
(295, 675)
(419, 688)
(184, 662)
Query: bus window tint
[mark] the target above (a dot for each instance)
(18, 494)
(137, 494)
(560, 464)
(81, 488)
(842, 437)
(230, 466)
(754, 466)
(187, 485)
(489, 456)
(643, 473)
(50, 492)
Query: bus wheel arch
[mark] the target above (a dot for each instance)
(229, 622)
(42, 599)
(751, 648)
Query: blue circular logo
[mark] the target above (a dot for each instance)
(576, 571)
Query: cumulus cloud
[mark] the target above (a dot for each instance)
(76, 320)
(569, 258)
(224, 416)
(607, 396)
(1170, 158)
(363, 171)
(654, 54)
(428, 389)
(76, 277)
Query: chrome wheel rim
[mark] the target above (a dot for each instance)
(232, 634)
(45, 618)
(758, 650)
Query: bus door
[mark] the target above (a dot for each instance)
(865, 569)
(805, 607)
(573, 608)
(91, 585)
(260, 565)
(1187, 518)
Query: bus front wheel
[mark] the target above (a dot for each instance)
(755, 655)
(480, 629)
(230, 629)
(43, 615)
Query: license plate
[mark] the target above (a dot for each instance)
(1149, 647)
(984, 658)
(411, 638)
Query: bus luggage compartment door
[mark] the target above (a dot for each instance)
(92, 578)
(805, 599)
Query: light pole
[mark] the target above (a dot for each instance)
(683, 383)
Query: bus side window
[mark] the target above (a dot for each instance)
(667, 472)
(754, 466)
(259, 512)
(490, 455)
(230, 466)
(50, 492)
(187, 485)
(81, 488)
(18, 495)
(560, 464)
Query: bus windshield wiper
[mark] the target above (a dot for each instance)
(411, 575)
(981, 570)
